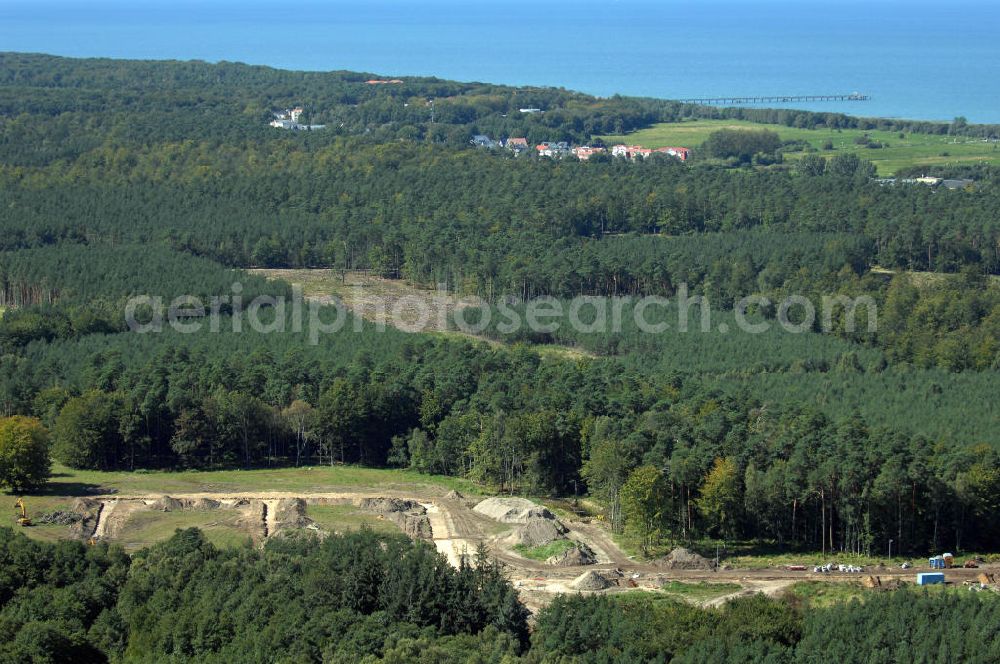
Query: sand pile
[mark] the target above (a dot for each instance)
(512, 510)
(590, 580)
(681, 558)
(206, 504)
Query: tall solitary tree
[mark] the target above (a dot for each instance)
(24, 453)
(720, 497)
(644, 500)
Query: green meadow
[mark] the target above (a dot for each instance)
(896, 153)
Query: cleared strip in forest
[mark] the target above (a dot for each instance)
(393, 301)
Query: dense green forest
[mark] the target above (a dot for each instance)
(163, 178)
(375, 598)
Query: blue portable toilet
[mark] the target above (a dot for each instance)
(929, 578)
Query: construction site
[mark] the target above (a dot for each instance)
(544, 555)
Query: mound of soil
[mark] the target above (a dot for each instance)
(83, 505)
(250, 520)
(206, 504)
(166, 504)
(537, 532)
(454, 495)
(389, 505)
(581, 554)
(88, 510)
(681, 558)
(289, 515)
(409, 515)
(417, 526)
(512, 510)
(590, 580)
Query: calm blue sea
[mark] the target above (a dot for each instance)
(917, 59)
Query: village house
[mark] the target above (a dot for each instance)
(622, 150)
(289, 119)
(585, 152)
(483, 141)
(517, 145)
(546, 149)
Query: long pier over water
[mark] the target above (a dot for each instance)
(780, 99)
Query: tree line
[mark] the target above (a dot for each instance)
(378, 598)
(713, 461)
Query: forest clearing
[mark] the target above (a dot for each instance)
(895, 151)
(394, 302)
(246, 508)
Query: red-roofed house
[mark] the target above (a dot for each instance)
(517, 144)
(585, 152)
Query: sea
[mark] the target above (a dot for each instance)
(914, 58)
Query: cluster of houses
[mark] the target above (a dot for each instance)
(634, 152)
(289, 119)
(583, 152)
(962, 183)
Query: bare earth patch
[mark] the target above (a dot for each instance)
(392, 302)
(438, 515)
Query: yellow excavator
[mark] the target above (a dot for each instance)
(22, 520)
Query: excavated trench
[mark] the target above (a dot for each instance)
(261, 517)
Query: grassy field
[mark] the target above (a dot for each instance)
(698, 592)
(145, 528)
(307, 479)
(695, 593)
(342, 518)
(545, 551)
(818, 594)
(911, 150)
